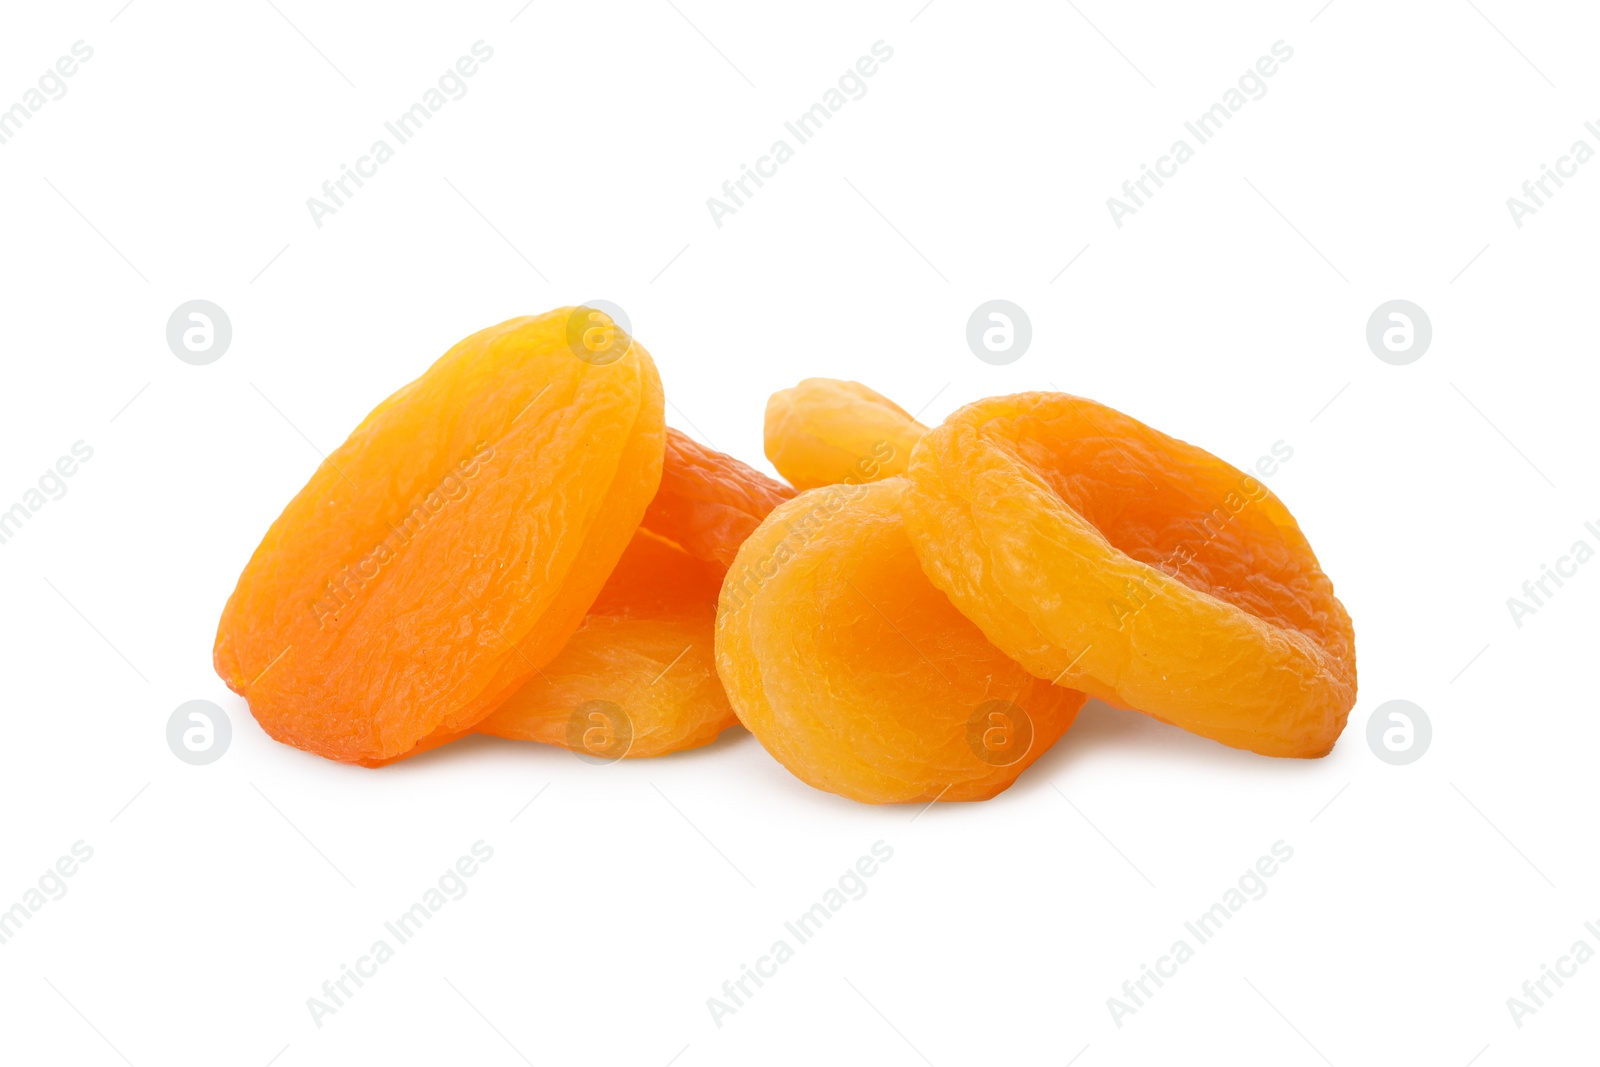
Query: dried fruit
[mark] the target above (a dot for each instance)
(709, 502)
(829, 432)
(857, 674)
(450, 546)
(638, 677)
(1107, 556)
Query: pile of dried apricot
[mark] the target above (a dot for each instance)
(516, 544)
(515, 527)
(637, 678)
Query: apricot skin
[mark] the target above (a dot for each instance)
(1141, 569)
(825, 431)
(643, 652)
(638, 678)
(856, 673)
(448, 548)
(709, 502)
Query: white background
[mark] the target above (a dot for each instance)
(1230, 311)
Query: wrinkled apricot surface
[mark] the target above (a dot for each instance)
(1147, 572)
(857, 674)
(709, 502)
(828, 432)
(450, 546)
(638, 678)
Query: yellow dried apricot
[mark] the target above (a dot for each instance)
(638, 678)
(828, 432)
(857, 674)
(450, 546)
(1104, 555)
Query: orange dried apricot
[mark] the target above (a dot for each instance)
(709, 502)
(857, 674)
(450, 546)
(826, 432)
(1107, 556)
(638, 678)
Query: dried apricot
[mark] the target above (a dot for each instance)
(709, 502)
(638, 678)
(450, 546)
(1105, 555)
(857, 674)
(828, 432)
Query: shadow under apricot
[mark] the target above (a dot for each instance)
(1101, 730)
